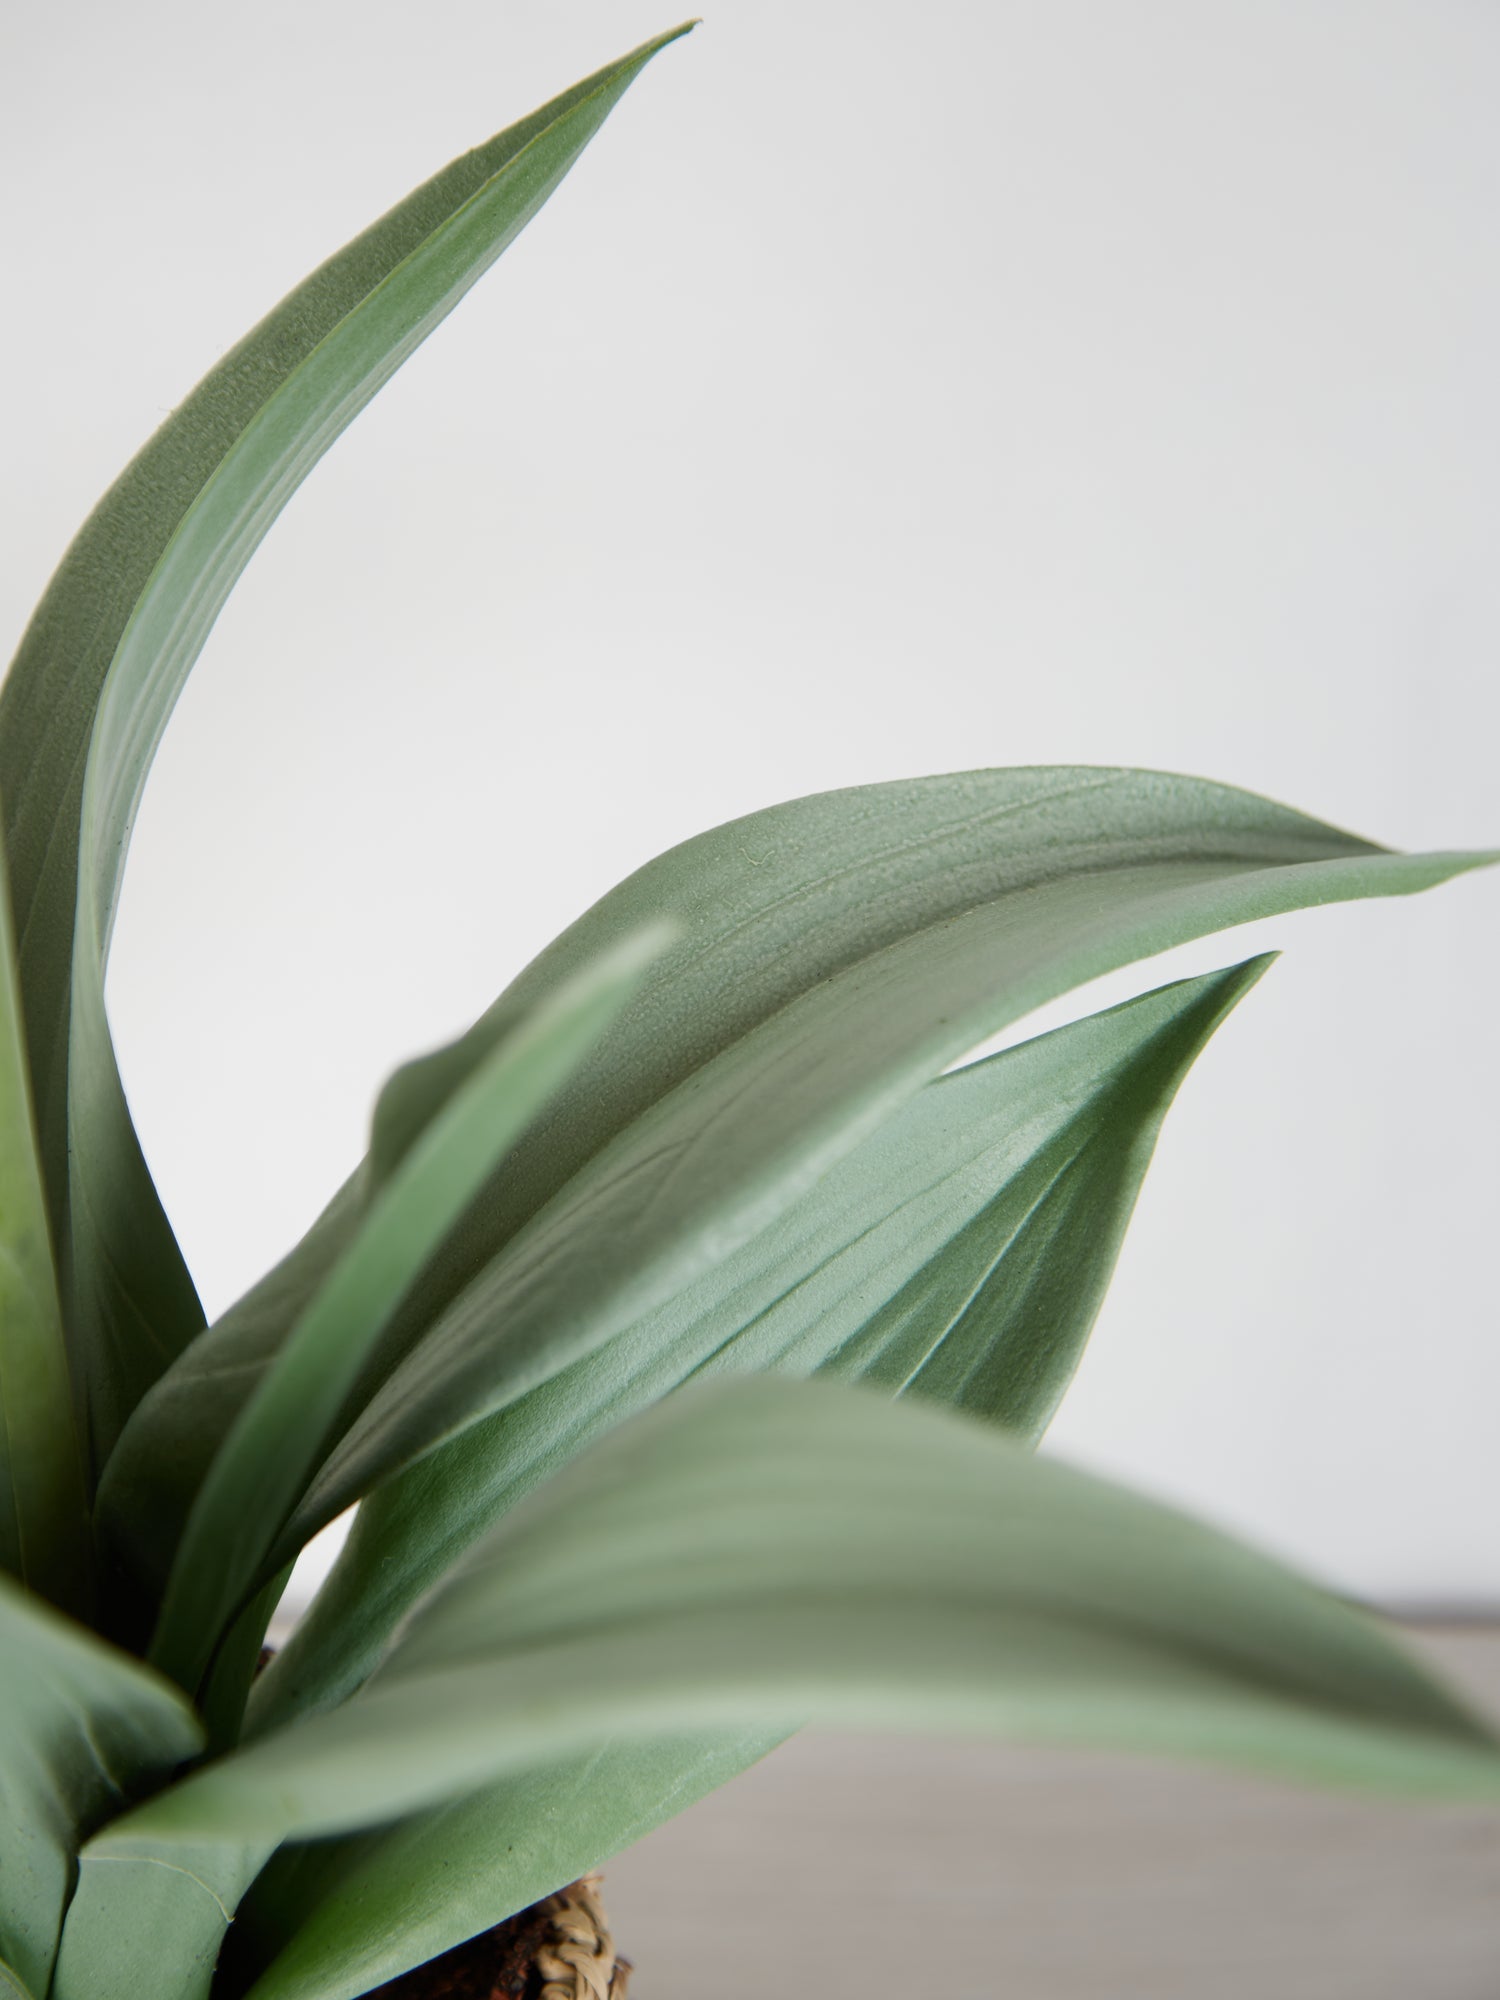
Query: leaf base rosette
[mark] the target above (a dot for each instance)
(558, 1332)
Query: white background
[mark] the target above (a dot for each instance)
(888, 390)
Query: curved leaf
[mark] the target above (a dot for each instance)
(146, 1923)
(264, 1464)
(995, 1317)
(82, 1729)
(11, 1984)
(332, 1919)
(143, 1501)
(1002, 1305)
(221, 1701)
(763, 1552)
(960, 1253)
(112, 642)
(750, 1131)
(44, 1523)
(836, 952)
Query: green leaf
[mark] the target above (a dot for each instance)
(11, 1986)
(197, 1405)
(762, 1552)
(111, 644)
(144, 1500)
(332, 1919)
(145, 1923)
(836, 952)
(44, 1523)
(946, 933)
(82, 1728)
(960, 1253)
(227, 1688)
(904, 1265)
(281, 1433)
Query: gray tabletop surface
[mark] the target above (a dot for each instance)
(879, 1867)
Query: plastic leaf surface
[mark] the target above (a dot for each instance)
(329, 1920)
(11, 1986)
(44, 1524)
(960, 1253)
(82, 1728)
(965, 903)
(835, 953)
(111, 644)
(276, 1443)
(145, 1923)
(758, 1553)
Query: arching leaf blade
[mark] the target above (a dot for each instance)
(761, 1552)
(746, 1136)
(960, 1253)
(106, 656)
(82, 1727)
(888, 928)
(143, 1922)
(270, 1454)
(45, 1538)
(330, 1920)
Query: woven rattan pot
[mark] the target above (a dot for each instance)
(559, 1949)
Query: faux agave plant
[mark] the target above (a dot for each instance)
(556, 1332)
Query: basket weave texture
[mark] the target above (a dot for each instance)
(578, 1961)
(559, 1949)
